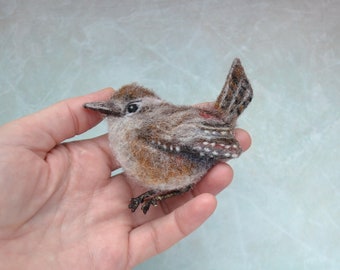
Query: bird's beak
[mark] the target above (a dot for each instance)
(105, 107)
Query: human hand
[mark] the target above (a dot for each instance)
(61, 209)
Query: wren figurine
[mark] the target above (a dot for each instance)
(167, 148)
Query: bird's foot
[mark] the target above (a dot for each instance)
(152, 197)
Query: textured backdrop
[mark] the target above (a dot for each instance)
(282, 210)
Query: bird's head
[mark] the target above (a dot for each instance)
(129, 100)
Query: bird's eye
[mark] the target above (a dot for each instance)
(132, 107)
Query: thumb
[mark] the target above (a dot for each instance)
(43, 130)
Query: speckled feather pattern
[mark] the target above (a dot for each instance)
(163, 146)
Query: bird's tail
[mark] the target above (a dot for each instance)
(236, 93)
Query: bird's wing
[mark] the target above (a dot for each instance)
(209, 139)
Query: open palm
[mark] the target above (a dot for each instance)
(61, 209)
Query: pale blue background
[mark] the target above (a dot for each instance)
(282, 210)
